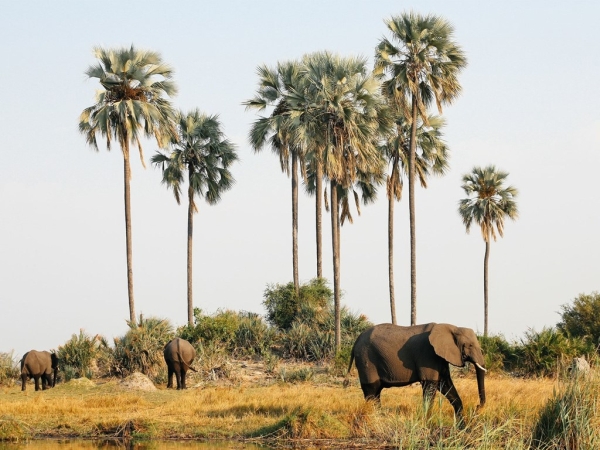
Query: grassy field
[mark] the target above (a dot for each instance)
(318, 412)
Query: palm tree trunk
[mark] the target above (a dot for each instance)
(391, 256)
(318, 215)
(128, 238)
(411, 208)
(485, 286)
(190, 301)
(295, 221)
(335, 245)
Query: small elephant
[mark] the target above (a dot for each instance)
(389, 355)
(38, 365)
(179, 355)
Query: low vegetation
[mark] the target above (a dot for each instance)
(310, 406)
(275, 379)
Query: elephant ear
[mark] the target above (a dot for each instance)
(443, 340)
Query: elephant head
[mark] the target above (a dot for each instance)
(458, 345)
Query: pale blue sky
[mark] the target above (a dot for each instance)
(529, 106)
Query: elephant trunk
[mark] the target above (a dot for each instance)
(480, 371)
(54, 378)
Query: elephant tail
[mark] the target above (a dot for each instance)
(346, 380)
(186, 364)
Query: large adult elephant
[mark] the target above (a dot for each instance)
(389, 355)
(179, 355)
(38, 365)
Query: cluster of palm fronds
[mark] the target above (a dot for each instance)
(141, 348)
(78, 356)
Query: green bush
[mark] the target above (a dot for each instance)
(542, 352)
(342, 360)
(141, 348)
(499, 354)
(284, 307)
(78, 355)
(9, 369)
(582, 318)
(240, 333)
(253, 335)
(315, 341)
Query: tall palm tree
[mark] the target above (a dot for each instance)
(132, 104)
(274, 88)
(423, 63)
(431, 158)
(314, 186)
(203, 155)
(342, 112)
(489, 202)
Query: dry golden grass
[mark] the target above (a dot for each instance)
(317, 411)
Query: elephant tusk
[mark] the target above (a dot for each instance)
(480, 367)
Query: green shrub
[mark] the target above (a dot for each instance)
(542, 352)
(499, 354)
(295, 341)
(342, 360)
(284, 307)
(78, 355)
(141, 348)
(9, 369)
(240, 333)
(253, 335)
(582, 318)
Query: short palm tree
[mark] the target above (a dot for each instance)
(422, 62)
(131, 105)
(203, 155)
(342, 115)
(488, 203)
(276, 130)
(431, 159)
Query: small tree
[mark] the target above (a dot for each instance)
(582, 317)
(284, 306)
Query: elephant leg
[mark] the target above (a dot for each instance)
(183, 373)
(44, 382)
(36, 379)
(23, 381)
(178, 377)
(448, 389)
(372, 391)
(429, 390)
(170, 377)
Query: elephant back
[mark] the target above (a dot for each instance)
(179, 350)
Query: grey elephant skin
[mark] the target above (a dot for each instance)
(389, 355)
(179, 356)
(39, 365)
